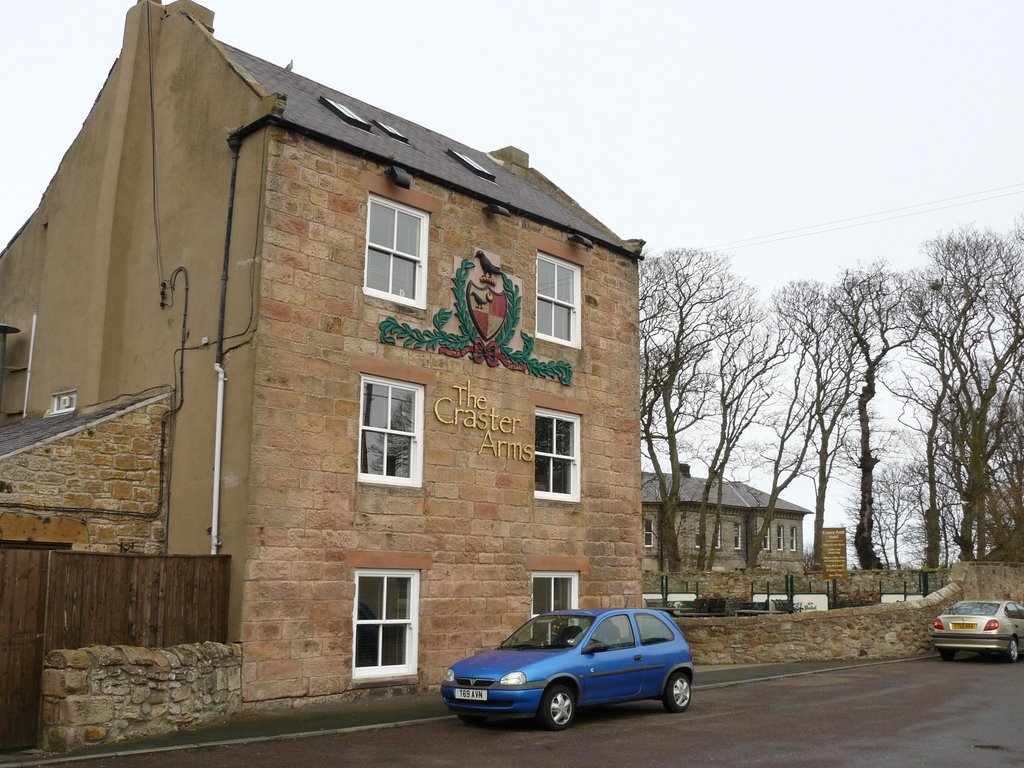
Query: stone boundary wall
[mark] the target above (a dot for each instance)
(735, 585)
(102, 694)
(884, 631)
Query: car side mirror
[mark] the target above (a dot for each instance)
(594, 646)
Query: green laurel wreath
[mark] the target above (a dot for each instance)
(433, 339)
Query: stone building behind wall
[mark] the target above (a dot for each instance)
(424, 377)
(743, 513)
(87, 481)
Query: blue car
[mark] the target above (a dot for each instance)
(559, 662)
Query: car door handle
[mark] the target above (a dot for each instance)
(638, 657)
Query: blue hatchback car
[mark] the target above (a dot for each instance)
(559, 662)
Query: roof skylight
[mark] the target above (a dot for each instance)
(391, 131)
(345, 113)
(472, 164)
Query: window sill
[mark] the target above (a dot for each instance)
(370, 683)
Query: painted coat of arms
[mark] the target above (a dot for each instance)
(487, 308)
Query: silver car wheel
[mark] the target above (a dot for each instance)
(557, 708)
(1012, 650)
(681, 692)
(676, 695)
(561, 708)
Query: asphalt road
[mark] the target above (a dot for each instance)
(919, 713)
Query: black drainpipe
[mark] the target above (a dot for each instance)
(235, 143)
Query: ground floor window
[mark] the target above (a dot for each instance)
(386, 623)
(555, 592)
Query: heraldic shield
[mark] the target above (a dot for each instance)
(487, 309)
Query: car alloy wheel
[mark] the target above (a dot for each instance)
(1012, 649)
(677, 693)
(557, 708)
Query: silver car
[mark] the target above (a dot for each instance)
(984, 626)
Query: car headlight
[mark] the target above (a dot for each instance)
(449, 676)
(513, 678)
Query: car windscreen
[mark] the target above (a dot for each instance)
(549, 631)
(973, 608)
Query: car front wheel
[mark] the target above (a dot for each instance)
(676, 697)
(1011, 651)
(557, 708)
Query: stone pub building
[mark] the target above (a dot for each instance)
(394, 377)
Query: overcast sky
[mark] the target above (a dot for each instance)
(697, 124)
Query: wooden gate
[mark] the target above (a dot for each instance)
(52, 599)
(23, 579)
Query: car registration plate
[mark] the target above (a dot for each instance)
(471, 694)
(962, 625)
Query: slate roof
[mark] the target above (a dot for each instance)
(29, 433)
(425, 153)
(734, 494)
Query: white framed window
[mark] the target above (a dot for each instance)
(385, 623)
(64, 402)
(767, 544)
(555, 591)
(390, 432)
(780, 538)
(556, 456)
(396, 252)
(558, 300)
(648, 534)
(718, 535)
(737, 536)
(792, 539)
(696, 534)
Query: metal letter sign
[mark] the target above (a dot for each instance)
(487, 307)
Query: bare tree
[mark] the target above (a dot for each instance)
(969, 306)
(742, 368)
(805, 308)
(870, 302)
(1006, 501)
(681, 292)
(899, 513)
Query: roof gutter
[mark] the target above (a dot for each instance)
(277, 120)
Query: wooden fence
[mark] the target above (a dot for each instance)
(62, 599)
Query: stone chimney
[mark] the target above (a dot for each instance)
(685, 469)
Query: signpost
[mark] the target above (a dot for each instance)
(833, 553)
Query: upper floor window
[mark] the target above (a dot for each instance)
(558, 300)
(737, 536)
(792, 539)
(391, 432)
(780, 538)
(767, 544)
(556, 456)
(648, 533)
(396, 252)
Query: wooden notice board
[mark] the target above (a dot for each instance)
(833, 553)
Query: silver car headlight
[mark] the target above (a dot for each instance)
(513, 678)
(449, 675)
